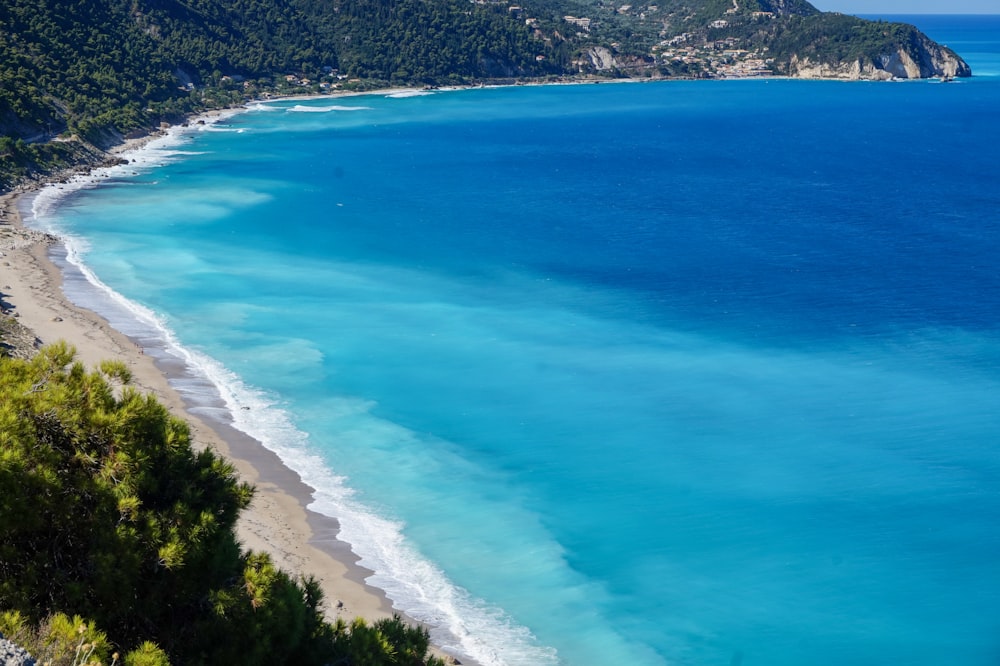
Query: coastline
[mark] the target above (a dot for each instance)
(300, 541)
(35, 271)
(278, 522)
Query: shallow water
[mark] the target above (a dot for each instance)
(686, 372)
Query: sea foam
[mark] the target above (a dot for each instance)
(784, 486)
(403, 94)
(458, 622)
(302, 108)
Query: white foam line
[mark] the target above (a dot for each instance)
(154, 153)
(458, 622)
(301, 108)
(409, 93)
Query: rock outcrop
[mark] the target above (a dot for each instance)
(12, 655)
(601, 58)
(923, 60)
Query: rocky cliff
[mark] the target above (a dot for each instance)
(839, 46)
(931, 60)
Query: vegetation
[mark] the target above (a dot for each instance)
(87, 67)
(835, 38)
(60, 640)
(109, 514)
(100, 69)
(77, 65)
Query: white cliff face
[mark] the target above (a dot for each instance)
(805, 68)
(944, 62)
(900, 65)
(932, 60)
(601, 58)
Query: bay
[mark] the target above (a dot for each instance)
(679, 372)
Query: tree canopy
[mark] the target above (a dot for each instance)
(109, 514)
(100, 69)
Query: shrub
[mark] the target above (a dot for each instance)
(108, 513)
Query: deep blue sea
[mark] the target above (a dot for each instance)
(669, 373)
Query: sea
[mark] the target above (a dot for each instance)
(682, 372)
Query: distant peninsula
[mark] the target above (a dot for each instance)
(81, 76)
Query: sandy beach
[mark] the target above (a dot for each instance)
(300, 541)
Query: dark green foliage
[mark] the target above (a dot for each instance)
(834, 38)
(76, 65)
(86, 66)
(59, 640)
(100, 69)
(787, 7)
(108, 513)
(147, 654)
(432, 42)
(389, 642)
(19, 159)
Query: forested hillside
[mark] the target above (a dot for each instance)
(81, 66)
(99, 69)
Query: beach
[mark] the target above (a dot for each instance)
(300, 541)
(679, 392)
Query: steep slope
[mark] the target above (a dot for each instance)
(98, 69)
(815, 47)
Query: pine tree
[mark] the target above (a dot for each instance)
(108, 513)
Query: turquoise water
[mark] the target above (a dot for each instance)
(672, 373)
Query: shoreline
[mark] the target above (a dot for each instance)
(300, 541)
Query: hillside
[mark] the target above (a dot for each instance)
(97, 70)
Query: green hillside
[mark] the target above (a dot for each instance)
(97, 70)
